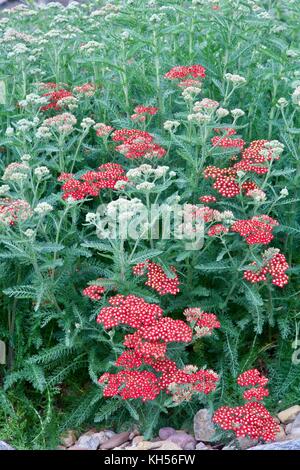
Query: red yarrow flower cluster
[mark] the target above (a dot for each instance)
(88, 89)
(227, 142)
(257, 230)
(274, 264)
(94, 292)
(226, 186)
(252, 377)
(217, 229)
(13, 211)
(129, 310)
(184, 72)
(207, 198)
(91, 182)
(131, 384)
(103, 130)
(141, 112)
(146, 347)
(251, 419)
(157, 278)
(252, 160)
(225, 180)
(54, 97)
(137, 144)
(204, 323)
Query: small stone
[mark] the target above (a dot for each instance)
(168, 445)
(115, 441)
(133, 434)
(285, 445)
(288, 428)
(181, 438)
(109, 433)
(165, 433)
(281, 436)
(124, 445)
(78, 448)
(245, 442)
(61, 448)
(295, 426)
(91, 441)
(136, 440)
(69, 438)
(204, 429)
(5, 446)
(145, 445)
(288, 415)
(190, 446)
(201, 446)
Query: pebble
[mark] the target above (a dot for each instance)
(201, 446)
(286, 445)
(281, 435)
(136, 440)
(168, 445)
(288, 415)
(133, 434)
(109, 433)
(5, 446)
(144, 445)
(69, 438)
(165, 433)
(115, 441)
(294, 429)
(204, 429)
(78, 448)
(183, 439)
(91, 441)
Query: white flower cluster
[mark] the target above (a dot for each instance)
(116, 217)
(275, 147)
(190, 92)
(282, 102)
(68, 102)
(11, 34)
(16, 172)
(18, 50)
(107, 11)
(61, 123)
(92, 46)
(222, 112)
(124, 209)
(257, 195)
(4, 189)
(237, 113)
(171, 126)
(145, 176)
(41, 171)
(43, 208)
(24, 125)
(235, 79)
(33, 100)
(87, 122)
(284, 192)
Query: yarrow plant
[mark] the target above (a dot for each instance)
(157, 315)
